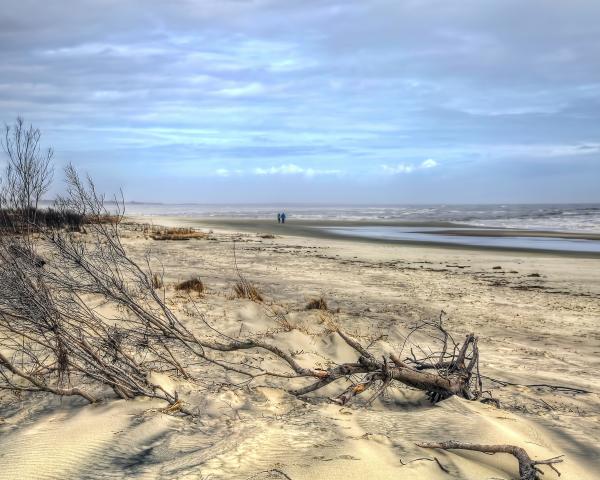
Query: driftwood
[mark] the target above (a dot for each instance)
(453, 378)
(528, 468)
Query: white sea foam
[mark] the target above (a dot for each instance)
(559, 217)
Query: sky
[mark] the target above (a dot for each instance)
(313, 101)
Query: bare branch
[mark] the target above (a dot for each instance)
(527, 467)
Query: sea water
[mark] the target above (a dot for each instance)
(582, 218)
(555, 217)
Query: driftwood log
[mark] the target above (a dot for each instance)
(528, 468)
(454, 375)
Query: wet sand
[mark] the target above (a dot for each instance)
(319, 229)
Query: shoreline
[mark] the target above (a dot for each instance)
(317, 229)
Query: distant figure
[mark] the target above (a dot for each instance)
(279, 218)
(283, 217)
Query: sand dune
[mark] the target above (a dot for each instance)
(533, 329)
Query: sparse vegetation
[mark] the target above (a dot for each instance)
(191, 285)
(317, 304)
(244, 289)
(18, 221)
(157, 281)
(175, 233)
(105, 218)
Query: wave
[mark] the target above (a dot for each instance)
(566, 217)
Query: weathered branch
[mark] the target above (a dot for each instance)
(527, 467)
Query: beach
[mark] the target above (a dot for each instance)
(535, 314)
(328, 240)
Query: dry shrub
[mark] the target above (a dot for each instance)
(280, 318)
(157, 281)
(191, 285)
(329, 324)
(103, 219)
(244, 289)
(317, 304)
(176, 234)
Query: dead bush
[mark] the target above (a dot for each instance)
(317, 304)
(176, 234)
(244, 289)
(191, 285)
(157, 281)
(105, 218)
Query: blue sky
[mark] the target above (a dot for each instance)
(358, 101)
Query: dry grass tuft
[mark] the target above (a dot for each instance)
(191, 285)
(103, 219)
(157, 281)
(317, 304)
(244, 289)
(280, 318)
(175, 234)
(327, 320)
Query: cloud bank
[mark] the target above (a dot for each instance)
(409, 168)
(162, 97)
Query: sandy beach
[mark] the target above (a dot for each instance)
(286, 240)
(326, 229)
(536, 316)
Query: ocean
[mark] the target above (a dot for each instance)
(554, 217)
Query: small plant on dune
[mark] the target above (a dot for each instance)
(329, 324)
(191, 285)
(157, 281)
(317, 304)
(176, 234)
(244, 289)
(278, 315)
(105, 218)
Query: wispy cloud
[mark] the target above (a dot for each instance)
(225, 172)
(223, 89)
(286, 169)
(429, 163)
(409, 167)
(292, 169)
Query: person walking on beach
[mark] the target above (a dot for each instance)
(279, 218)
(282, 217)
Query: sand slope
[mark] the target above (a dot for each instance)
(533, 329)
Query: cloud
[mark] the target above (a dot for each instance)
(291, 169)
(429, 163)
(251, 89)
(287, 169)
(409, 168)
(223, 88)
(399, 168)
